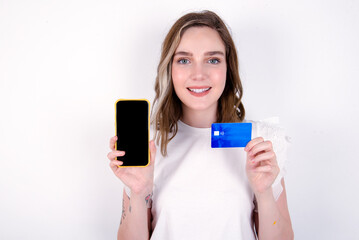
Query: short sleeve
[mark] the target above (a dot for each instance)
(270, 129)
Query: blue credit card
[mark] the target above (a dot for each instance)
(227, 135)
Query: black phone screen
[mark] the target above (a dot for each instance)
(132, 131)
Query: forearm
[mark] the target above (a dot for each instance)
(272, 224)
(134, 219)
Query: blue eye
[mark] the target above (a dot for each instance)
(214, 61)
(183, 61)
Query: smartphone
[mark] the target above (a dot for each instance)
(132, 131)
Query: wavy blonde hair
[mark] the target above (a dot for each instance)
(167, 107)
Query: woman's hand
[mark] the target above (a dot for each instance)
(138, 179)
(261, 167)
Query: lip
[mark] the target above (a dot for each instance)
(199, 94)
(199, 87)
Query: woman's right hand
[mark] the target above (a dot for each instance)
(138, 179)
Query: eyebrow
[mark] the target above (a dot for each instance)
(211, 53)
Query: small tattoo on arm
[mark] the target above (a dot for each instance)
(123, 211)
(129, 208)
(148, 198)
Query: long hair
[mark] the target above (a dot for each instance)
(167, 108)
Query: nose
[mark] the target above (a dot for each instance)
(198, 72)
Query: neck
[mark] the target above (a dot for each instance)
(199, 118)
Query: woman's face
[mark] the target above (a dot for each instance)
(199, 69)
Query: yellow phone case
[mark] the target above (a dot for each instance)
(148, 132)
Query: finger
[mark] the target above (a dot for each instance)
(266, 168)
(112, 155)
(252, 143)
(264, 156)
(113, 142)
(262, 146)
(114, 164)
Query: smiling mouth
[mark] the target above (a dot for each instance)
(199, 90)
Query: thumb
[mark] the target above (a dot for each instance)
(152, 152)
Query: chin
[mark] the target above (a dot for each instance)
(199, 106)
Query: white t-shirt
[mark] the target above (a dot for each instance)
(202, 192)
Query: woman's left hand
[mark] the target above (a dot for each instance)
(261, 167)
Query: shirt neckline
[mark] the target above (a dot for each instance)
(188, 128)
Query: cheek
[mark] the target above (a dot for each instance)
(179, 77)
(220, 76)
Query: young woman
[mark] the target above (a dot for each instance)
(190, 190)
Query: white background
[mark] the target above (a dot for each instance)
(63, 64)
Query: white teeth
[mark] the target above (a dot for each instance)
(198, 90)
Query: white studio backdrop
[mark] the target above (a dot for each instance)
(63, 64)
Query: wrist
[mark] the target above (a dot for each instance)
(145, 197)
(142, 192)
(265, 195)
